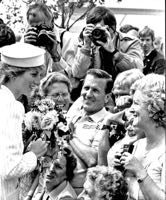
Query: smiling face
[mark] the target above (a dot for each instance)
(93, 92)
(23, 84)
(141, 119)
(56, 174)
(59, 92)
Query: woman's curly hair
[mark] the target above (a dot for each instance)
(109, 183)
(153, 86)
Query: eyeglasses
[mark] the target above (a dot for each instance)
(58, 95)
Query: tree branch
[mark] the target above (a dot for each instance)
(83, 15)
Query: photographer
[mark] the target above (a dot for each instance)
(63, 53)
(110, 50)
(41, 32)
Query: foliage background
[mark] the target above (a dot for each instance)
(13, 13)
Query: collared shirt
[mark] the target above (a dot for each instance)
(86, 127)
(13, 163)
(87, 131)
(63, 191)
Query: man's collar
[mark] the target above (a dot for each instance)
(98, 115)
(151, 51)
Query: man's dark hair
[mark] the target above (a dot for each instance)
(128, 27)
(101, 13)
(7, 35)
(71, 163)
(99, 73)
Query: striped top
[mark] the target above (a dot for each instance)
(13, 164)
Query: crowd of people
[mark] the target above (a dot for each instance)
(110, 85)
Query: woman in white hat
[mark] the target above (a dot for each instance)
(20, 70)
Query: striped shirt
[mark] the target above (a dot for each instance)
(13, 163)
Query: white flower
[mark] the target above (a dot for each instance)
(49, 120)
(32, 120)
(45, 105)
(63, 127)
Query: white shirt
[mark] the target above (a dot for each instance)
(13, 163)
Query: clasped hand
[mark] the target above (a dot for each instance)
(87, 32)
(51, 43)
(128, 161)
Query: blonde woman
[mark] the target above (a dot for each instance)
(20, 70)
(104, 183)
(145, 167)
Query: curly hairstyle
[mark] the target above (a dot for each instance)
(125, 79)
(50, 79)
(109, 183)
(153, 86)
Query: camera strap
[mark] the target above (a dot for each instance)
(61, 38)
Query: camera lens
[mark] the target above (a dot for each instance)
(98, 34)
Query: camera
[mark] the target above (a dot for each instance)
(117, 132)
(98, 34)
(43, 38)
(126, 148)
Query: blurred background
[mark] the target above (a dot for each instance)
(138, 13)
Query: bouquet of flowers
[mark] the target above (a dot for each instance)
(47, 121)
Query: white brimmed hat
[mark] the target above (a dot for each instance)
(22, 55)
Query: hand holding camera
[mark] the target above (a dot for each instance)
(87, 34)
(44, 36)
(118, 161)
(132, 164)
(101, 36)
(31, 36)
